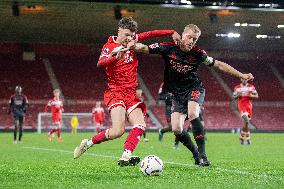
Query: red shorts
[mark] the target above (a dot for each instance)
(56, 119)
(123, 97)
(98, 121)
(245, 109)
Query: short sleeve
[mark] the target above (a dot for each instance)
(157, 48)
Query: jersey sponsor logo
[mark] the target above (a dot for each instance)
(18, 102)
(181, 68)
(57, 104)
(153, 46)
(128, 58)
(173, 56)
(244, 91)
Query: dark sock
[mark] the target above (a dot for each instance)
(15, 133)
(185, 139)
(164, 130)
(198, 133)
(144, 134)
(20, 132)
(176, 140)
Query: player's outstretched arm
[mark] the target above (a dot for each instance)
(141, 48)
(235, 95)
(46, 107)
(230, 70)
(158, 33)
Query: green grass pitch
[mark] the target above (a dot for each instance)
(37, 163)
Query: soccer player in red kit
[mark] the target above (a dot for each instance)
(245, 92)
(120, 97)
(56, 107)
(98, 115)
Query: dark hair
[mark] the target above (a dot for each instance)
(128, 23)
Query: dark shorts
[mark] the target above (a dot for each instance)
(168, 107)
(180, 103)
(201, 112)
(19, 117)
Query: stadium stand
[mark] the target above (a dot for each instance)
(73, 65)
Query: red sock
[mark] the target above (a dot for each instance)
(248, 135)
(52, 131)
(242, 135)
(58, 132)
(98, 130)
(100, 137)
(133, 138)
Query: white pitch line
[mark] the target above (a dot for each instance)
(235, 171)
(68, 152)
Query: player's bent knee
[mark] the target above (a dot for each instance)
(192, 116)
(177, 130)
(116, 133)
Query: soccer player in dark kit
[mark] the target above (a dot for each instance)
(18, 104)
(181, 79)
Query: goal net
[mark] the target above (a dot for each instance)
(84, 122)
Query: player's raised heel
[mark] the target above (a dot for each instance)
(82, 148)
(205, 161)
(197, 160)
(132, 161)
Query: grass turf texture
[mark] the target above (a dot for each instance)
(37, 163)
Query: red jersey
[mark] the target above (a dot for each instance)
(243, 92)
(122, 73)
(56, 106)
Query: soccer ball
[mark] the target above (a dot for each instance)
(151, 165)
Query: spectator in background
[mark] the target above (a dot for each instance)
(15, 8)
(74, 124)
(117, 12)
(244, 93)
(56, 107)
(18, 104)
(98, 115)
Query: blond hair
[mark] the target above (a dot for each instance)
(192, 27)
(56, 91)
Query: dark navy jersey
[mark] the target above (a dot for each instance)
(180, 74)
(18, 104)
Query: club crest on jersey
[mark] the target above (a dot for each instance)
(173, 56)
(106, 51)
